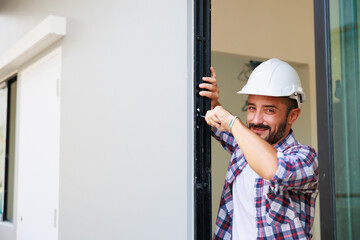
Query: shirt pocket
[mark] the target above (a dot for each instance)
(279, 209)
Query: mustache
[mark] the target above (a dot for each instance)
(262, 126)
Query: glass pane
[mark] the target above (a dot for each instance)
(346, 115)
(3, 115)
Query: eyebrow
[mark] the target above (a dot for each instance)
(271, 106)
(267, 106)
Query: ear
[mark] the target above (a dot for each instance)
(293, 115)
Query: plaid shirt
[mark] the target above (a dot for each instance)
(285, 204)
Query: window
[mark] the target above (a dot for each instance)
(7, 147)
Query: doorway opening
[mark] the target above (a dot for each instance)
(243, 32)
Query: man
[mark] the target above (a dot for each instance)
(272, 180)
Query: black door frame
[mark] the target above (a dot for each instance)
(202, 168)
(324, 119)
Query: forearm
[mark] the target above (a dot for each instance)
(260, 155)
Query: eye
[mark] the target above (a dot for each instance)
(251, 108)
(269, 110)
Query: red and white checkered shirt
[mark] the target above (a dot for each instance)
(285, 204)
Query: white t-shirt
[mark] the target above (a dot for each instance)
(244, 221)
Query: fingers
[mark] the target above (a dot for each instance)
(212, 120)
(213, 74)
(212, 95)
(218, 118)
(210, 87)
(211, 80)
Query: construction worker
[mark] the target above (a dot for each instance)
(272, 180)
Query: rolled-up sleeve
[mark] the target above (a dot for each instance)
(226, 139)
(297, 170)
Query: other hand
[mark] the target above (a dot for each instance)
(211, 87)
(219, 117)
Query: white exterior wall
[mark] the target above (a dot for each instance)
(126, 150)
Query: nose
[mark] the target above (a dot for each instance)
(257, 118)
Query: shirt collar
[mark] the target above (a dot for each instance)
(286, 142)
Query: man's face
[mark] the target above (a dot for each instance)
(267, 117)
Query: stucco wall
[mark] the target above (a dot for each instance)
(126, 115)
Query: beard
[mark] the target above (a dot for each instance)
(273, 136)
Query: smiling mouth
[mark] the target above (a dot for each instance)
(258, 130)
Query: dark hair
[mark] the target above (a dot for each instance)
(292, 104)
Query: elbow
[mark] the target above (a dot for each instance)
(270, 169)
(268, 176)
(269, 173)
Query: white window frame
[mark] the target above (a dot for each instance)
(40, 38)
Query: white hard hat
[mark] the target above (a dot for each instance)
(275, 78)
